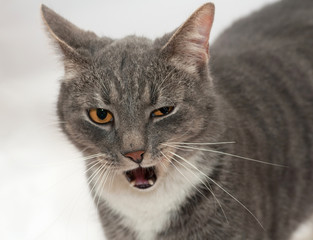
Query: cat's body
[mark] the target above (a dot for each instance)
(263, 68)
(259, 93)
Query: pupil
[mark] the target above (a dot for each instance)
(101, 113)
(165, 110)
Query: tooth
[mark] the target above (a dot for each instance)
(150, 181)
(132, 183)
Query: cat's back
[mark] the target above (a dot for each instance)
(267, 57)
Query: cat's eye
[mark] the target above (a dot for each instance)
(100, 115)
(162, 111)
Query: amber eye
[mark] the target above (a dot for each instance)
(162, 111)
(100, 115)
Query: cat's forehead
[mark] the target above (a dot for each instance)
(130, 71)
(126, 52)
(122, 66)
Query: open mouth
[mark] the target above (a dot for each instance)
(141, 178)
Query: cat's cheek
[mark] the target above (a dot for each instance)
(85, 135)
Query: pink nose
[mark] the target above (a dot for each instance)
(137, 156)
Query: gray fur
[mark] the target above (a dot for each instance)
(258, 93)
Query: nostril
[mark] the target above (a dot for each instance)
(136, 156)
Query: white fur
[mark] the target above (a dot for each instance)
(148, 211)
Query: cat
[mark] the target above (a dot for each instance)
(183, 140)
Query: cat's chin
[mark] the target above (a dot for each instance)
(142, 178)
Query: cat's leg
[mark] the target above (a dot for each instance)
(304, 231)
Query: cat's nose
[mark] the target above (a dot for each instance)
(137, 156)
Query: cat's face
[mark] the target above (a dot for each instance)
(126, 103)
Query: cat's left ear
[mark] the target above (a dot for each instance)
(188, 48)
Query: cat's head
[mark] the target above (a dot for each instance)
(130, 104)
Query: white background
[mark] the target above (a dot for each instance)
(43, 192)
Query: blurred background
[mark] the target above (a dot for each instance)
(43, 191)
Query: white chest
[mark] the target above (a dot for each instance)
(148, 212)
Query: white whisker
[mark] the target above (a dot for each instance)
(193, 183)
(100, 184)
(184, 175)
(82, 158)
(193, 150)
(93, 156)
(177, 147)
(76, 170)
(102, 169)
(94, 174)
(207, 187)
(91, 165)
(185, 143)
(184, 134)
(234, 198)
(224, 153)
(111, 170)
(103, 181)
(162, 164)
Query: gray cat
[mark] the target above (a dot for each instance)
(183, 144)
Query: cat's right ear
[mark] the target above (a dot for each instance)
(74, 42)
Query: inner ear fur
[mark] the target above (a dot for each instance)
(188, 48)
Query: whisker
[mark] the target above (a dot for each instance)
(102, 183)
(94, 174)
(89, 180)
(98, 194)
(69, 208)
(80, 158)
(90, 166)
(183, 175)
(185, 133)
(89, 157)
(193, 143)
(177, 147)
(93, 156)
(75, 171)
(234, 198)
(187, 150)
(102, 169)
(112, 179)
(207, 187)
(194, 184)
(107, 177)
(227, 154)
(162, 164)
(63, 162)
(101, 178)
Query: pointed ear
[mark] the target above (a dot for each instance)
(188, 48)
(75, 43)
